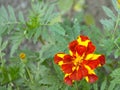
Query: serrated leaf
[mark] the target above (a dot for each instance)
(115, 73)
(2, 87)
(65, 5)
(48, 51)
(37, 34)
(21, 17)
(103, 85)
(117, 53)
(109, 13)
(3, 29)
(4, 45)
(0, 41)
(48, 15)
(111, 86)
(76, 29)
(56, 19)
(116, 5)
(11, 14)
(58, 29)
(95, 86)
(4, 13)
(108, 24)
(17, 38)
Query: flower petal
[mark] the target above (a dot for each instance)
(80, 49)
(68, 81)
(76, 75)
(67, 58)
(72, 45)
(92, 56)
(67, 68)
(84, 71)
(92, 63)
(84, 38)
(90, 48)
(91, 78)
(62, 58)
(57, 59)
(102, 59)
(94, 60)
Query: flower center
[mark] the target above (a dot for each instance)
(78, 60)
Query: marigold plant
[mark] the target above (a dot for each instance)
(80, 62)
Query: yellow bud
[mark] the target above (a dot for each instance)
(118, 4)
(118, 1)
(22, 55)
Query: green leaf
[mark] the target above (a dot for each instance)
(58, 29)
(76, 29)
(111, 86)
(4, 45)
(117, 53)
(56, 20)
(116, 79)
(95, 86)
(16, 38)
(21, 17)
(9, 73)
(116, 5)
(108, 24)
(3, 88)
(116, 73)
(104, 83)
(65, 5)
(0, 41)
(11, 14)
(37, 34)
(4, 14)
(109, 13)
(48, 51)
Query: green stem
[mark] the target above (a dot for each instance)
(0, 56)
(28, 71)
(10, 23)
(117, 45)
(116, 25)
(76, 86)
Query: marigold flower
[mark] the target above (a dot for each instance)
(81, 61)
(22, 55)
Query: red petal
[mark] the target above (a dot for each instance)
(67, 58)
(90, 48)
(84, 38)
(92, 78)
(92, 63)
(102, 59)
(84, 71)
(95, 63)
(72, 45)
(57, 59)
(76, 75)
(67, 68)
(80, 49)
(68, 81)
(79, 74)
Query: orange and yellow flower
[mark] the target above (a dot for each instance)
(80, 62)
